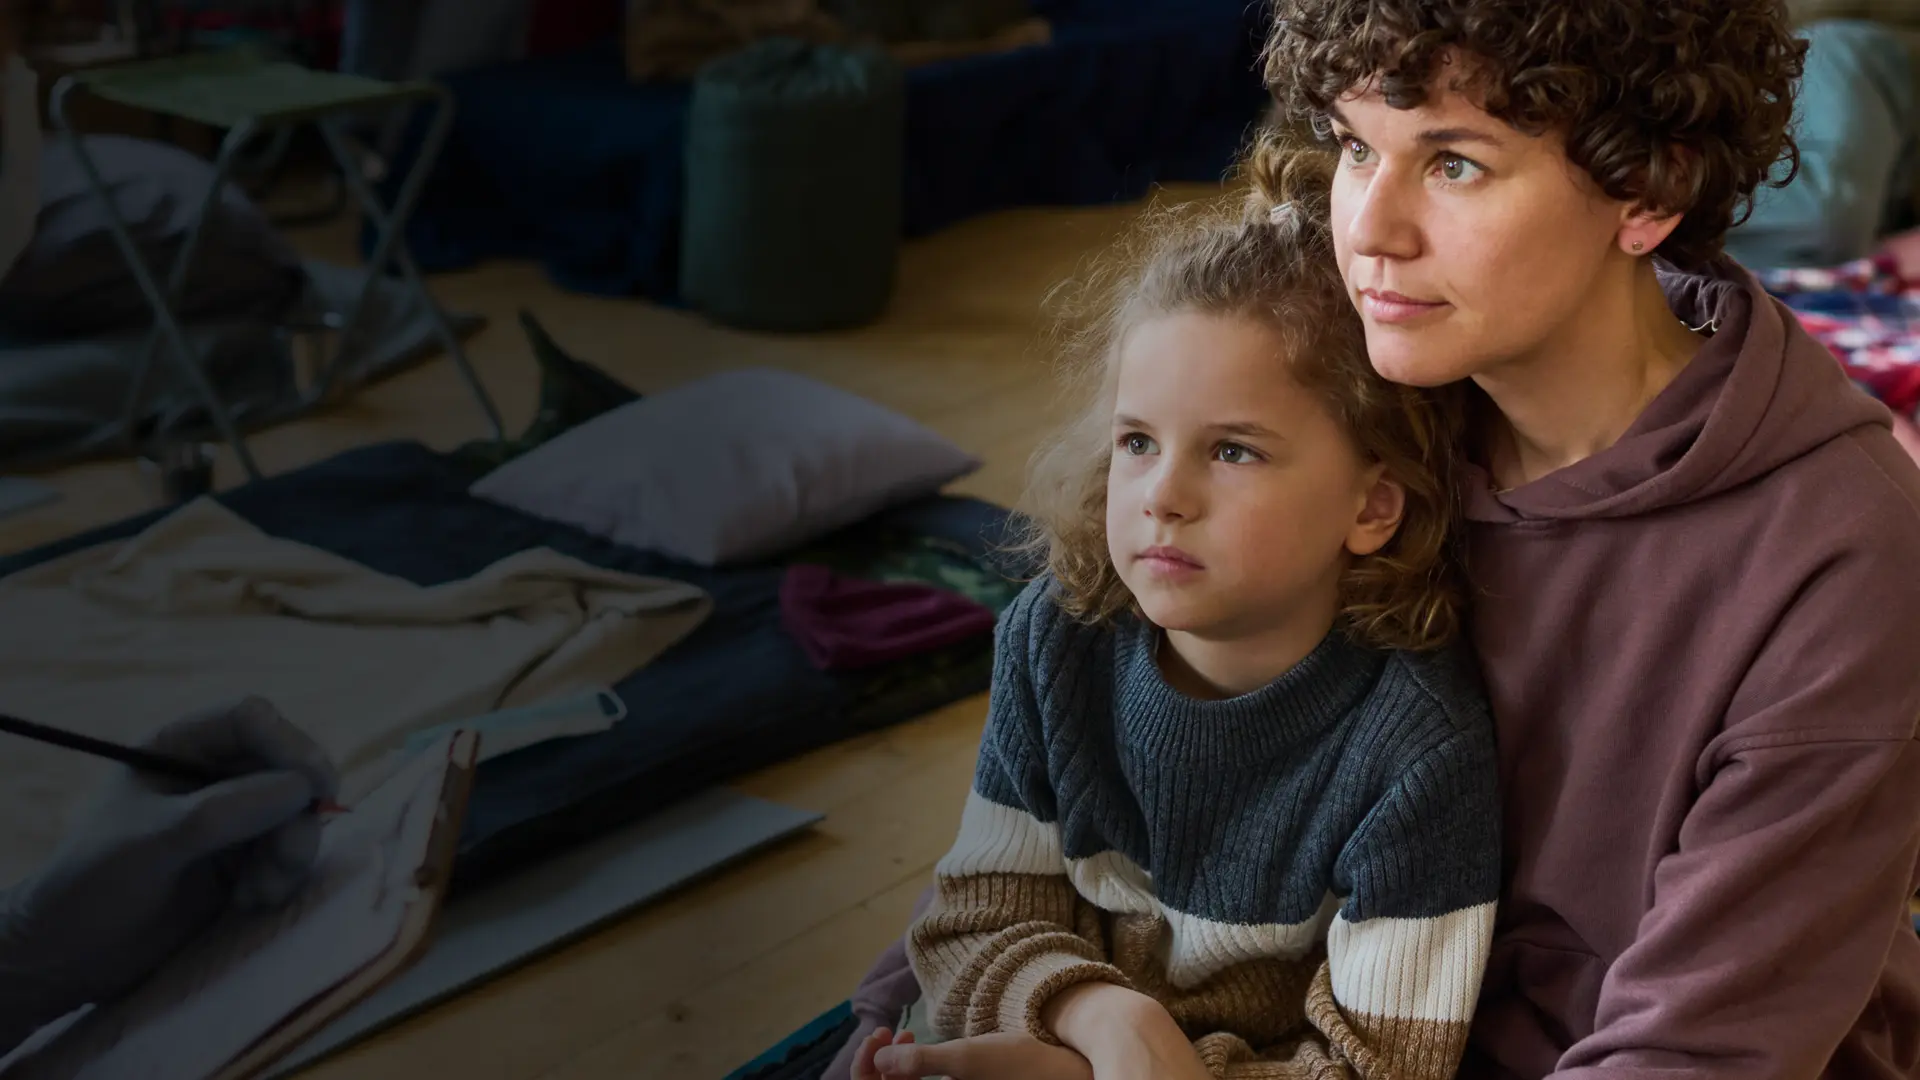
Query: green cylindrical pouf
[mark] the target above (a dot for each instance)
(793, 186)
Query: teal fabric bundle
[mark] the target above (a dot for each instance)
(794, 175)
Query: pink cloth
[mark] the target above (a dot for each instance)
(846, 623)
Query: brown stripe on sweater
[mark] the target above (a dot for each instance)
(1016, 940)
(1390, 1046)
(1301, 1057)
(981, 927)
(1263, 999)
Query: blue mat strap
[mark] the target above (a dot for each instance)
(802, 1043)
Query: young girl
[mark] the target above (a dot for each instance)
(1235, 812)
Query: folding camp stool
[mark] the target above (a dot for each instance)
(246, 92)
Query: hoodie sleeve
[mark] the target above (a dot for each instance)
(1773, 918)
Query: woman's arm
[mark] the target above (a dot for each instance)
(1772, 923)
(1773, 919)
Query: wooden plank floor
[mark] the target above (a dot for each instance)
(699, 983)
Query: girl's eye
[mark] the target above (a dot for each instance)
(1235, 454)
(1135, 443)
(1357, 151)
(1458, 169)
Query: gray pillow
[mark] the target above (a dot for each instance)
(730, 468)
(72, 280)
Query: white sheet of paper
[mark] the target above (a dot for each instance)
(501, 732)
(506, 730)
(250, 973)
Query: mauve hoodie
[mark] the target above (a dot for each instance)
(1703, 650)
(1702, 647)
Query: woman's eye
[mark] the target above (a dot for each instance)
(1235, 454)
(1136, 443)
(1458, 169)
(1357, 151)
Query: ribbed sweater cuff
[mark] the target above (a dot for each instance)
(1027, 986)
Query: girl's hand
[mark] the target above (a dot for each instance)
(1000, 1056)
(864, 1067)
(1123, 1033)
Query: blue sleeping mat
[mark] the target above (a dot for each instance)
(564, 160)
(736, 695)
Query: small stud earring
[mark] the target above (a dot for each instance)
(1637, 245)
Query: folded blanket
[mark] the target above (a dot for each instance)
(116, 639)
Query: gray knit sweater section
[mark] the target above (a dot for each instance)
(1363, 774)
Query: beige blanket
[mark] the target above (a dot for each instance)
(204, 607)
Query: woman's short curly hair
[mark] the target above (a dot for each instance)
(1681, 105)
(1241, 259)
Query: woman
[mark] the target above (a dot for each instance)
(1692, 541)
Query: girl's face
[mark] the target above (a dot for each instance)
(1465, 245)
(1233, 495)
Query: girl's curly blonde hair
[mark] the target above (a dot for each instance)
(1245, 258)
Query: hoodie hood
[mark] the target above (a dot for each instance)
(1760, 393)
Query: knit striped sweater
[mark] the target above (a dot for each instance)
(1304, 876)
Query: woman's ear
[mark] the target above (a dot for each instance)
(1643, 229)
(1640, 232)
(1385, 503)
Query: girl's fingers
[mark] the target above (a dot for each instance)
(863, 1066)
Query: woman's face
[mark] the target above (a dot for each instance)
(1466, 245)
